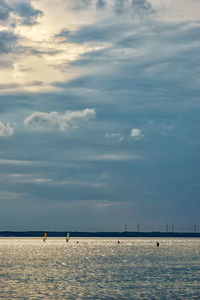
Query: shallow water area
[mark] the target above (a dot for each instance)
(99, 268)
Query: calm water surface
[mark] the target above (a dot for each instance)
(99, 269)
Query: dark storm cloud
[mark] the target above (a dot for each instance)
(136, 7)
(7, 86)
(142, 6)
(27, 13)
(8, 45)
(167, 33)
(7, 41)
(93, 33)
(120, 7)
(80, 4)
(22, 9)
(101, 32)
(5, 10)
(161, 52)
(100, 4)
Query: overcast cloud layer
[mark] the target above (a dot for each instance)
(99, 114)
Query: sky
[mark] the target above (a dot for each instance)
(99, 115)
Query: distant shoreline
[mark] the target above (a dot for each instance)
(99, 234)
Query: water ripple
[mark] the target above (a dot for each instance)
(99, 269)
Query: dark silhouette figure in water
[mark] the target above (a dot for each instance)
(118, 242)
(157, 244)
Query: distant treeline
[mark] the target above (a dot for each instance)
(98, 234)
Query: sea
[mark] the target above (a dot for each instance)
(100, 268)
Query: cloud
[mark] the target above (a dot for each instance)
(136, 133)
(69, 119)
(105, 204)
(12, 14)
(91, 33)
(29, 178)
(154, 55)
(9, 195)
(7, 41)
(100, 32)
(114, 157)
(100, 4)
(80, 4)
(117, 136)
(107, 30)
(22, 10)
(120, 7)
(142, 6)
(5, 129)
(38, 179)
(136, 7)
(15, 162)
(4, 10)
(27, 13)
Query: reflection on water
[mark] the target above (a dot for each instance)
(99, 269)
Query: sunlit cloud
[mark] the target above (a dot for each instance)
(115, 136)
(29, 35)
(40, 180)
(136, 133)
(6, 129)
(69, 119)
(115, 157)
(33, 30)
(6, 195)
(15, 162)
(106, 204)
(28, 178)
